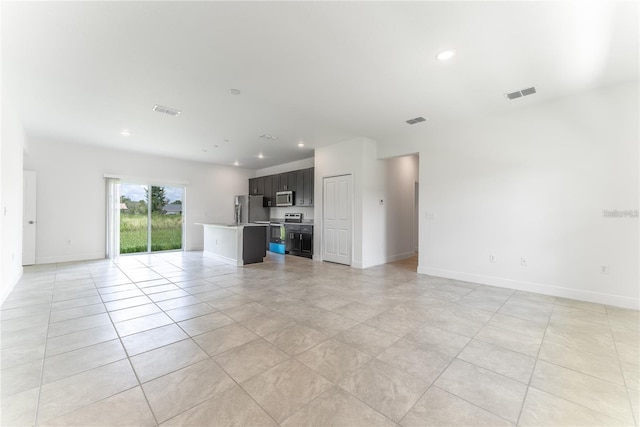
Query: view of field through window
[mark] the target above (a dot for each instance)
(141, 203)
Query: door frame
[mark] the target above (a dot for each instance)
(351, 216)
(29, 195)
(149, 207)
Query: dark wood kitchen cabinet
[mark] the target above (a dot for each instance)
(299, 181)
(256, 186)
(304, 191)
(269, 192)
(287, 181)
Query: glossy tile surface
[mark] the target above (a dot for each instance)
(178, 339)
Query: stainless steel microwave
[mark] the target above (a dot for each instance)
(284, 198)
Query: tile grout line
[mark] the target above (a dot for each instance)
(624, 379)
(128, 357)
(453, 358)
(373, 287)
(535, 365)
(210, 357)
(573, 370)
(44, 355)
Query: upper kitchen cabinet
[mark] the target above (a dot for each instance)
(256, 186)
(300, 182)
(269, 192)
(287, 181)
(304, 191)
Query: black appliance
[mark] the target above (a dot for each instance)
(299, 236)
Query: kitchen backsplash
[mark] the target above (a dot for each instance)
(307, 212)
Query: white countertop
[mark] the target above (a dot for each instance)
(231, 225)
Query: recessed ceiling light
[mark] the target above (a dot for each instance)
(234, 91)
(125, 132)
(267, 136)
(260, 156)
(236, 163)
(300, 144)
(445, 55)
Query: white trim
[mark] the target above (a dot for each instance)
(158, 182)
(222, 258)
(12, 285)
(398, 257)
(539, 288)
(70, 258)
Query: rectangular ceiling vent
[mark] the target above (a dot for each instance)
(521, 93)
(416, 120)
(166, 110)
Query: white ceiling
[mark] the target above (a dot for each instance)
(316, 72)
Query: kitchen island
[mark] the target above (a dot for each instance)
(235, 244)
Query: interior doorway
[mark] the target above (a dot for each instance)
(151, 218)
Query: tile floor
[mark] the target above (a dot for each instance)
(175, 339)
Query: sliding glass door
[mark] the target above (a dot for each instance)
(166, 218)
(151, 218)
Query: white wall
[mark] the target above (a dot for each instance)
(306, 211)
(401, 176)
(13, 142)
(357, 157)
(71, 194)
(373, 214)
(286, 167)
(533, 183)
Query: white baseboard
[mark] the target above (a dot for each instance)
(539, 288)
(12, 284)
(70, 258)
(224, 259)
(398, 257)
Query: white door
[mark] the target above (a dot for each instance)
(337, 200)
(29, 219)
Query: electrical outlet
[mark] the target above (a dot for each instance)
(492, 258)
(604, 269)
(429, 215)
(524, 262)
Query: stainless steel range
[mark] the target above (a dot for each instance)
(294, 218)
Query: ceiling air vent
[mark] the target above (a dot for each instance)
(521, 93)
(166, 110)
(514, 95)
(416, 120)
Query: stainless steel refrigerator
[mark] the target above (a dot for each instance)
(250, 209)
